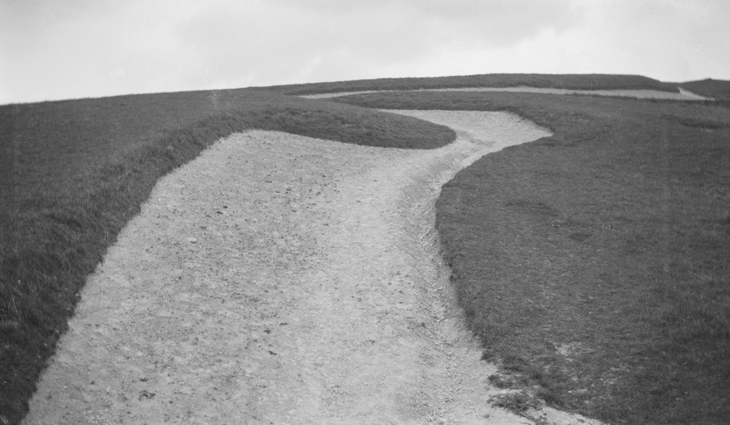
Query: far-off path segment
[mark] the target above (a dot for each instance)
(279, 279)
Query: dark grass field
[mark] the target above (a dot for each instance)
(595, 264)
(611, 235)
(575, 81)
(74, 172)
(716, 89)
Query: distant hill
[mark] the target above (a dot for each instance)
(717, 89)
(557, 81)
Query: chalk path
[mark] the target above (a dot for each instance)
(682, 94)
(279, 279)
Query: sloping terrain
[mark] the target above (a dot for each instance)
(282, 279)
(598, 277)
(74, 172)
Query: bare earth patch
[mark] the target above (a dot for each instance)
(280, 279)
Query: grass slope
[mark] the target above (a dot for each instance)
(74, 172)
(716, 89)
(559, 81)
(594, 263)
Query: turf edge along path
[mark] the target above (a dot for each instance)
(593, 264)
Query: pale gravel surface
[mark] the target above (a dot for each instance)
(639, 94)
(279, 279)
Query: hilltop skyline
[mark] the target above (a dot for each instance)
(73, 49)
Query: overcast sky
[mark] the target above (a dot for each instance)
(61, 49)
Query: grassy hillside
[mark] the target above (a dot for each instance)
(74, 172)
(613, 221)
(594, 263)
(558, 81)
(717, 89)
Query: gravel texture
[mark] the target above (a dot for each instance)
(279, 279)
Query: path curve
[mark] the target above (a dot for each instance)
(683, 95)
(279, 279)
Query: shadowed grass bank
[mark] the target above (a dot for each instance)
(74, 172)
(594, 263)
(717, 89)
(558, 81)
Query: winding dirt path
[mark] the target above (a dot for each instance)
(279, 279)
(683, 94)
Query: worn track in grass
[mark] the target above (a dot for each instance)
(283, 279)
(683, 94)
